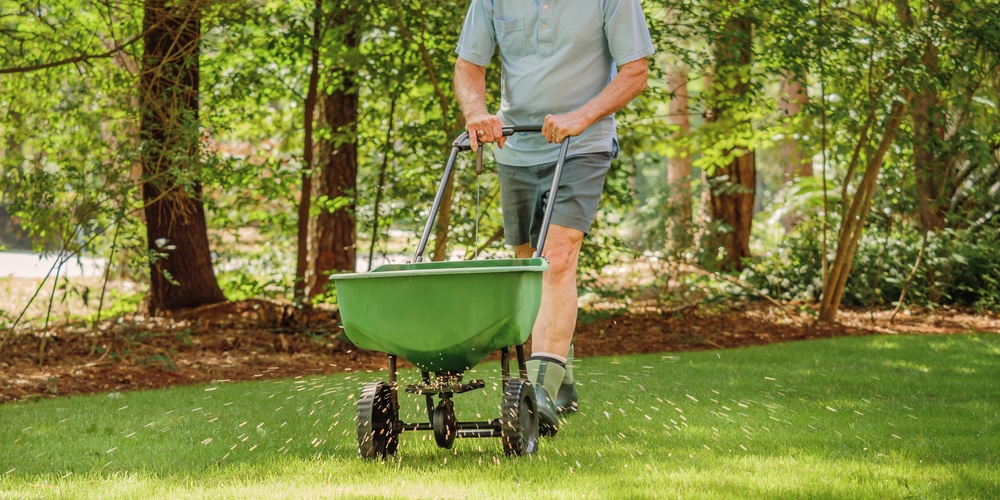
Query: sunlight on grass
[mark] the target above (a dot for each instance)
(848, 417)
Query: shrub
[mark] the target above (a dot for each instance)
(959, 267)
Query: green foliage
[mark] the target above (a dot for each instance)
(69, 145)
(242, 285)
(957, 267)
(117, 303)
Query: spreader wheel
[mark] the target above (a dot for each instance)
(445, 424)
(519, 418)
(376, 415)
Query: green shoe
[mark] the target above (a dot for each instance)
(546, 375)
(548, 413)
(567, 400)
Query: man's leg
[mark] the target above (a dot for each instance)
(556, 321)
(524, 202)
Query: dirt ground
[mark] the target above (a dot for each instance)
(260, 340)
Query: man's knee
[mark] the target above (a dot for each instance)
(562, 249)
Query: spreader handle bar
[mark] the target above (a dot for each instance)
(461, 143)
(419, 257)
(556, 176)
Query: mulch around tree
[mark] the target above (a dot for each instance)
(256, 339)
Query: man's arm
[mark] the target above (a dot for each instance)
(625, 86)
(470, 90)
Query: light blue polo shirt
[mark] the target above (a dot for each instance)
(556, 56)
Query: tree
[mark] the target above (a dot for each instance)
(679, 166)
(305, 192)
(792, 97)
(733, 179)
(794, 165)
(333, 242)
(853, 223)
(438, 74)
(181, 273)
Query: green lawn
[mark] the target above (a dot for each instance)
(871, 417)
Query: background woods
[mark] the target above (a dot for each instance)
(827, 152)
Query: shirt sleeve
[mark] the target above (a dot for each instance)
(626, 31)
(478, 40)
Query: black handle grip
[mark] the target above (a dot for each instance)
(462, 141)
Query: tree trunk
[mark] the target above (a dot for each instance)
(334, 242)
(305, 196)
(732, 203)
(733, 185)
(181, 274)
(793, 163)
(853, 223)
(932, 170)
(679, 166)
(793, 96)
(928, 135)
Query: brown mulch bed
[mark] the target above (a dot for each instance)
(257, 339)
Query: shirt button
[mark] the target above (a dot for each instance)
(546, 7)
(545, 26)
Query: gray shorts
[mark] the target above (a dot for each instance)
(524, 192)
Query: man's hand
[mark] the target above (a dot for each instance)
(558, 127)
(470, 89)
(483, 128)
(628, 83)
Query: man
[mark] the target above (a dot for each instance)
(569, 65)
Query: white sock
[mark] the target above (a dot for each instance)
(549, 355)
